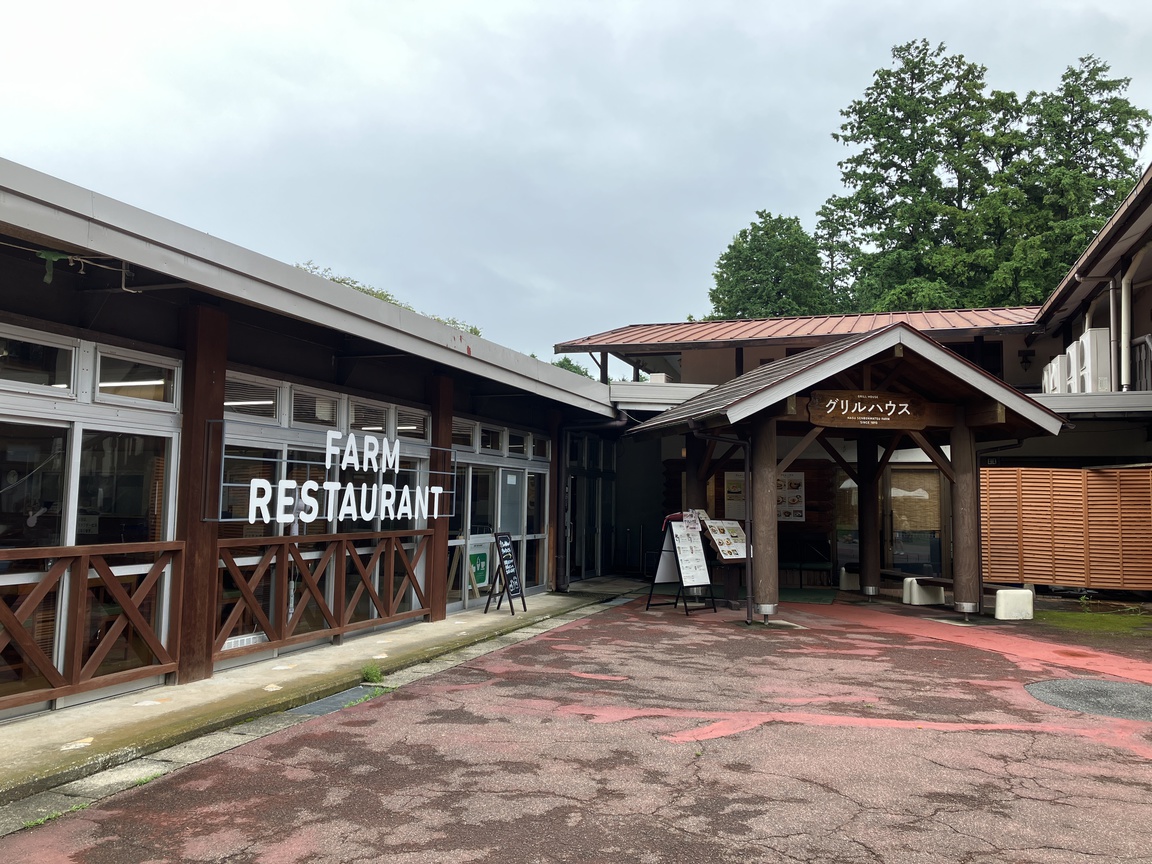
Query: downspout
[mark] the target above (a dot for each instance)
(1126, 319)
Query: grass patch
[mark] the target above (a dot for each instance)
(371, 694)
(372, 673)
(146, 780)
(36, 823)
(1127, 621)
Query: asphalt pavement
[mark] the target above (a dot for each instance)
(848, 732)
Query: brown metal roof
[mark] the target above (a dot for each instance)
(656, 338)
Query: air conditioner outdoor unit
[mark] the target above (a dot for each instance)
(1055, 378)
(1095, 376)
(1073, 379)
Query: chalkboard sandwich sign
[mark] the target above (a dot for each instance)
(507, 578)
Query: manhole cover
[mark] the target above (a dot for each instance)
(1106, 698)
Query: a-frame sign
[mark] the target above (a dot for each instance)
(506, 580)
(682, 561)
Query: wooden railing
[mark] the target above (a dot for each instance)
(278, 591)
(78, 618)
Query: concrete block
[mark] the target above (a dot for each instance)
(1014, 604)
(849, 581)
(916, 594)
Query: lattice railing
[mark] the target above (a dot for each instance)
(77, 618)
(278, 591)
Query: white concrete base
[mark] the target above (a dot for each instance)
(849, 581)
(1014, 604)
(916, 594)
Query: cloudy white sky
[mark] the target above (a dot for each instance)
(544, 170)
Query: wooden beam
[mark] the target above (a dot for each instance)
(704, 470)
(967, 591)
(890, 450)
(938, 458)
(765, 550)
(795, 452)
(845, 466)
(986, 413)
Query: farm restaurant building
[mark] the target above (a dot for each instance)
(207, 456)
(162, 392)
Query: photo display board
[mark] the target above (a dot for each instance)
(728, 538)
(790, 496)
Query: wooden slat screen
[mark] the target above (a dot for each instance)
(1072, 527)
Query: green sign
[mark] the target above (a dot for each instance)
(478, 561)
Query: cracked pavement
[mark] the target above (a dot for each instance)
(654, 737)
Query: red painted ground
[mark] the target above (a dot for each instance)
(652, 737)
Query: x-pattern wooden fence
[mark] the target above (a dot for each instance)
(256, 576)
(30, 624)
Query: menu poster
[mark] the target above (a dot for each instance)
(690, 554)
(790, 496)
(729, 539)
(734, 504)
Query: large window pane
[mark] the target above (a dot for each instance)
(241, 466)
(31, 485)
(482, 509)
(511, 501)
(535, 505)
(122, 482)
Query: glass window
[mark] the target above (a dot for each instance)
(253, 400)
(537, 483)
(491, 439)
(541, 448)
(242, 465)
(456, 519)
(463, 434)
(314, 408)
(32, 363)
(122, 483)
(134, 379)
(482, 502)
(411, 424)
(304, 465)
(511, 500)
(31, 484)
(366, 417)
(517, 444)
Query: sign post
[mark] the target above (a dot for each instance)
(507, 579)
(682, 560)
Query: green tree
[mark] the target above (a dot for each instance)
(960, 196)
(571, 365)
(771, 268)
(381, 294)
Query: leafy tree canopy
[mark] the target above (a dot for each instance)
(386, 296)
(955, 194)
(772, 268)
(571, 365)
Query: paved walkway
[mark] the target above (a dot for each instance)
(842, 733)
(44, 751)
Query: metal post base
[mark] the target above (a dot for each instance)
(870, 590)
(765, 608)
(967, 607)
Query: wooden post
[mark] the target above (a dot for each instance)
(868, 513)
(966, 585)
(440, 463)
(695, 489)
(205, 364)
(765, 545)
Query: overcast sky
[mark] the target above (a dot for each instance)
(545, 170)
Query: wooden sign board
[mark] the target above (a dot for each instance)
(507, 578)
(856, 409)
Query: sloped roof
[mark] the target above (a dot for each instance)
(752, 392)
(652, 338)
